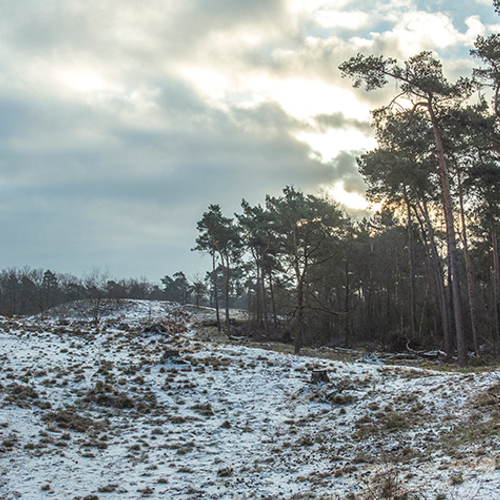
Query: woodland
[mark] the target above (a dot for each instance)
(422, 273)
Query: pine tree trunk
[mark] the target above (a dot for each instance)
(347, 333)
(273, 301)
(216, 294)
(471, 285)
(226, 286)
(496, 281)
(439, 279)
(451, 239)
(412, 271)
(264, 305)
(297, 339)
(258, 300)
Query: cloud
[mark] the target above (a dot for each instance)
(414, 31)
(338, 120)
(346, 170)
(121, 121)
(80, 178)
(345, 20)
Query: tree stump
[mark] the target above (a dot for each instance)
(170, 354)
(319, 377)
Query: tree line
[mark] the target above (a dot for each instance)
(422, 273)
(27, 291)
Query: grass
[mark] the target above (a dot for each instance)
(383, 417)
(476, 365)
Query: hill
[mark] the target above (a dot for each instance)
(143, 407)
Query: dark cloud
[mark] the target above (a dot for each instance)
(346, 169)
(89, 203)
(339, 121)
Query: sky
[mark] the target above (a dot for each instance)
(121, 121)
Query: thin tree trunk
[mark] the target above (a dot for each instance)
(264, 305)
(216, 294)
(452, 244)
(369, 293)
(412, 271)
(471, 285)
(273, 301)
(439, 278)
(249, 299)
(297, 340)
(226, 284)
(399, 305)
(496, 281)
(258, 301)
(347, 334)
(388, 313)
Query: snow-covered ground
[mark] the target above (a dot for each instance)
(132, 411)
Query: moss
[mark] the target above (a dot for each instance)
(204, 409)
(342, 399)
(305, 441)
(394, 421)
(70, 419)
(456, 478)
(473, 431)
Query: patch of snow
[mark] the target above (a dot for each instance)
(104, 411)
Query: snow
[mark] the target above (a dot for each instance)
(103, 413)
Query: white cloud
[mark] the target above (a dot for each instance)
(84, 80)
(311, 8)
(339, 19)
(329, 144)
(210, 82)
(476, 28)
(417, 31)
(349, 199)
(493, 28)
(329, 13)
(304, 98)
